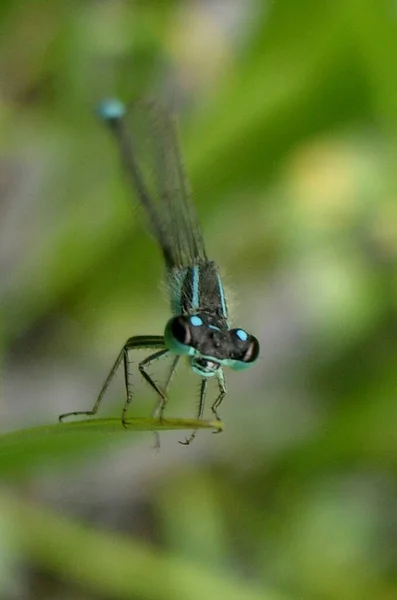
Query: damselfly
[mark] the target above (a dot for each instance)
(199, 328)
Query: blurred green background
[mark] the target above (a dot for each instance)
(288, 115)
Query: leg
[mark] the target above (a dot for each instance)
(200, 411)
(134, 343)
(158, 411)
(222, 394)
(147, 361)
(162, 401)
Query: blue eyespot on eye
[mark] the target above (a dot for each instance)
(111, 109)
(196, 321)
(242, 335)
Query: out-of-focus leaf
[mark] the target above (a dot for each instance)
(114, 565)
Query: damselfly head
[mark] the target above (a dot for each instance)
(210, 346)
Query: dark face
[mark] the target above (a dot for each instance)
(210, 346)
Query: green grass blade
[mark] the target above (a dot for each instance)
(23, 450)
(114, 425)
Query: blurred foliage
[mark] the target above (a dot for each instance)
(288, 116)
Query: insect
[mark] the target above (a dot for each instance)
(199, 329)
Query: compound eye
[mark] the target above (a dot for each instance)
(252, 351)
(177, 336)
(246, 348)
(180, 330)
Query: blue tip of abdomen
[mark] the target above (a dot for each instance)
(111, 109)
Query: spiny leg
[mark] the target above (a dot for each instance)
(162, 401)
(98, 402)
(222, 394)
(159, 409)
(136, 342)
(203, 391)
(146, 361)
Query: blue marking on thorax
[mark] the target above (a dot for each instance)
(213, 327)
(196, 321)
(222, 297)
(242, 335)
(195, 288)
(111, 109)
